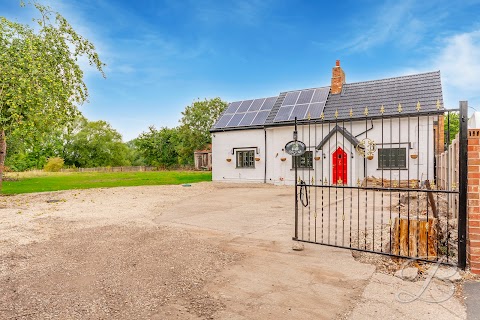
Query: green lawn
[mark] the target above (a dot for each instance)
(86, 180)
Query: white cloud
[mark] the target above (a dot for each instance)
(402, 24)
(393, 19)
(458, 59)
(459, 63)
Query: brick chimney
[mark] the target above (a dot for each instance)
(338, 79)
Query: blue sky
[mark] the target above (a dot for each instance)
(163, 55)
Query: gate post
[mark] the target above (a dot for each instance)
(295, 133)
(462, 173)
(296, 206)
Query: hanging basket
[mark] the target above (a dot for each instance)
(228, 159)
(414, 156)
(257, 159)
(317, 158)
(283, 159)
(370, 157)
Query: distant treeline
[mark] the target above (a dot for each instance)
(91, 144)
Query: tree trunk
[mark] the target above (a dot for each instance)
(3, 154)
(414, 237)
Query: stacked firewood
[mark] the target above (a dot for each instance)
(386, 183)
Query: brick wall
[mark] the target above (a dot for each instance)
(338, 79)
(473, 205)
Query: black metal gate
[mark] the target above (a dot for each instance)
(384, 183)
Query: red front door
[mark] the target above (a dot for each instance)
(339, 166)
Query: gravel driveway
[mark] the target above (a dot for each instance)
(209, 251)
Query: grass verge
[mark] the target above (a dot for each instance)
(87, 180)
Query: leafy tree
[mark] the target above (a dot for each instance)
(54, 165)
(41, 83)
(26, 154)
(136, 155)
(95, 144)
(69, 142)
(454, 127)
(158, 147)
(195, 125)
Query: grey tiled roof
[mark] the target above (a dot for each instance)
(425, 88)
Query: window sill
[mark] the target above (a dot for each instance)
(389, 169)
(303, 169)
(245, 168)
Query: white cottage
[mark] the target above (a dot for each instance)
(389, 129)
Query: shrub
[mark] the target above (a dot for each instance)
(53, 165)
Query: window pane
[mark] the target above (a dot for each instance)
(246, 159)
(392, 158)
(303, 161)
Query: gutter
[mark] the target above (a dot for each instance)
(371, 121)
(290, 123)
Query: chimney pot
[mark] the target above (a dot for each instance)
(338, 63)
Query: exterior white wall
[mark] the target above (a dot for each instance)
(281, 172)
(223, 144)
(395, 133)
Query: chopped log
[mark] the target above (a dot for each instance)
(379, 182)
(415, 237)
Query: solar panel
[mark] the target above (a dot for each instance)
(247, 119)
(235, 120)
(268, 104)
(299, 111)
(223, 121)
(244, 106)
(291, 98)
(321, 94)
(305, 96)
(232, 107)
(260, 118)
(246, 113)
(283, 113)
(256, 105)
(316, 109)
(303, 103)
